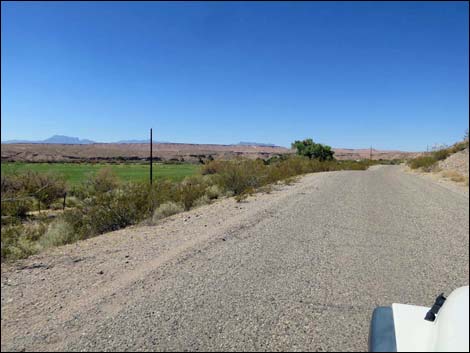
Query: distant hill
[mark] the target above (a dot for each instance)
(140, 141)
(68, 140)
(134, 141)
(257, 144)
(56, 139)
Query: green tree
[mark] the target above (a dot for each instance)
(313, 150)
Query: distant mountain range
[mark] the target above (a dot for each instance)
(56, 139)
(67, 140)
(257, 144)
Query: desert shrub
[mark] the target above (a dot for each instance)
(239, 175)
(71, 201)
(10, 184)
(229, 193)
(44, 187)
(59, 232)
(441, 154)
(276, 159)
(16, 208)
(112, 210)
(214, 192)
(191, 189)
(460, 146)
(424, 162)
(164, 191)
(18, 191)
(167, 209)
(244, 195)
(50, 188)
(81, 191)
(105, 180)
(236, 176)
(203, 200)
(20, 241)
(212, 167)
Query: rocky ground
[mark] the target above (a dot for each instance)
(451, 173)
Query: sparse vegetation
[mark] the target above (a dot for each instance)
(425, 163)
(455, 176)
(59, 232)
(428, 162)
(102, 203)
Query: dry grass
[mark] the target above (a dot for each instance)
(455, 176)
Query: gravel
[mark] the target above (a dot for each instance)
(456, 162)
(298, 269)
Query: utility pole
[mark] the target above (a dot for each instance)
(370, 153)
(151, 157)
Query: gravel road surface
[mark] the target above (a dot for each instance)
(300, 268)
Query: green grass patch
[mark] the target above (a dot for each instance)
(76, 173)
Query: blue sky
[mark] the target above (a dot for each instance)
(394, 75)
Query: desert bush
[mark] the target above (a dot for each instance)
(10, 184)
(244, 195)
(112, 210)
(441, 154)
(212, 167)
(241, 174)
(18, 191)
(59, 232)
(214, 192)
(105, 180)
(429, 162)
(20, 240)
(44, 187)
(16, 208)
(167, 209)
(460, 146)
(203, 200)
(424, 162)
(72, 201)
(191, 189)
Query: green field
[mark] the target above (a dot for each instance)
(76, 173)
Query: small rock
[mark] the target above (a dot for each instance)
(101, 272)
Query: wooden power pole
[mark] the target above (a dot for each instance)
(370, 154)
(151, 157)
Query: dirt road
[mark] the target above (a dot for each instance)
(298, 269)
